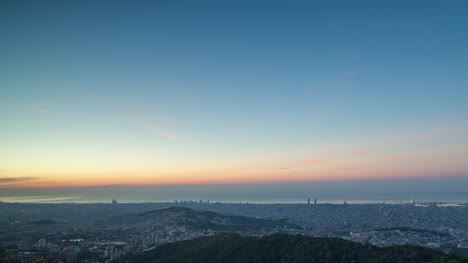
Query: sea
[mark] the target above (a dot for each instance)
(331, 192)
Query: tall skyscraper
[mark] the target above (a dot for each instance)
(42, 243)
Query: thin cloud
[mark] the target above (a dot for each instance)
(36, 110)
(16, 179)
(304, 163)
(165, 133)
(312, 161)
(363, 151)
(424, 136)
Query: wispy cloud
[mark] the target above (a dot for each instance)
(16, 179)
(166, 133)
(424, 136)
(300, 164)
(37, 110)
(312, 161)
(362, 151)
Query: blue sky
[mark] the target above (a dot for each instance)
(183, 88)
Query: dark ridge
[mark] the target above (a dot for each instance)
(229, 248)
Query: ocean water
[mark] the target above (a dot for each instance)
(351, 192)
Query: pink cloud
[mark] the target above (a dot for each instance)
(363, 151)
(304, 163)
(424, 136)
(165, 133)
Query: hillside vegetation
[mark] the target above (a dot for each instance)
(196, 220)
(287, 248)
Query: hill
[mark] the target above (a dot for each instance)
(286, 248)
(197, 220)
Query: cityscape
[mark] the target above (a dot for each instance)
(234, 131)
(104, 232)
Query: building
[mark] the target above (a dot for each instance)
(42, 243)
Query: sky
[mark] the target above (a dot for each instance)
(145, 93)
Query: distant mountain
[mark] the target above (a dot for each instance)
(195, 220)
(229, 248)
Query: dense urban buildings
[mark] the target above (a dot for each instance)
(103, 232)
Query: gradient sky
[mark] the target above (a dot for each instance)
(231, 92)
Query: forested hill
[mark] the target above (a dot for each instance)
(199, 220)
(287, 248)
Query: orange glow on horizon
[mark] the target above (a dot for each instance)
(383, 161)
